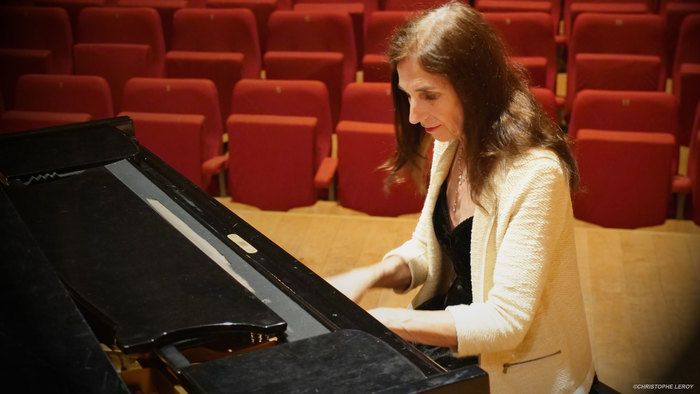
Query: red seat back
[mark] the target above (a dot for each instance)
(179, 96)
(124, 25)
(65, 93)
(412, 5)
(528, 34)
(116, 63)
(380, 26)
(176, 139)
(271, 163)
(219, 30)
(362, 149)
(314, 31)
(621, 34)
(288, 98)
(548, 101)
(624, 110)
(39, 28)
(694, 166)
(674, 12)
(368, 102)
(625, 180)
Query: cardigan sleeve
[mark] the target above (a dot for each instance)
(533, 202)
(414, 252)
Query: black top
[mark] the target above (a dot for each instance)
(455, 245)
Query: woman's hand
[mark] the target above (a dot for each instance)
(391, 272)
(353, 284)
(435, 328)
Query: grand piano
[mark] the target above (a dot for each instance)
(119, 275)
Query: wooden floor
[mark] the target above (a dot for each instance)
(640, 287)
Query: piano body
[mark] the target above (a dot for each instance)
(119, 275)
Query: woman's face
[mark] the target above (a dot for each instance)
(433, 101)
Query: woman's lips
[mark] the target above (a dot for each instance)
(431, 129)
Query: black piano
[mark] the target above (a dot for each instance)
(119, 275)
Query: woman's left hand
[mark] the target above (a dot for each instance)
(428, 327)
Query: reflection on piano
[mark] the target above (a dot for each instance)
(119, 275)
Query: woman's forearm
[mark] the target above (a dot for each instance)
(428, 327)
(390, 272)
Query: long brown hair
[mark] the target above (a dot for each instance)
(501, 117)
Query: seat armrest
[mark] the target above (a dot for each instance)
(325, 173)
(214, 166)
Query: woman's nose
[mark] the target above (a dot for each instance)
(414, 114)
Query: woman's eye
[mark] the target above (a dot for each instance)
(430, 97)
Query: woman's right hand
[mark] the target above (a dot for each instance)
(391, 272)
(353, 284)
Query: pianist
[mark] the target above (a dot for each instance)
(494, 245)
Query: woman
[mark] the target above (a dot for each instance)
(494, 245)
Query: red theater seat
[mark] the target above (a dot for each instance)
(412, 5)
(550, 7)
(181, 97)
(166, 9)
(624, 110)
(312, 46)
(177, 139)
(694, 167)
(548, 101)
(288, 98)
(365, 141)
(368, 102)
(654, 112)
(530, 41)
(116, 63)
(73, 7)
(625, 181)
(45, 100)
(362, 148)
(271, 161)
(216, 44)
(674, 12)
(687, 91)
(64, 93)
(124, 25)
(616, 36)
(262, 9)
(574, 8)
(686, 74)
(380, 27)
(33, 40)
(610, 71)
(355, 10)
(687, 44)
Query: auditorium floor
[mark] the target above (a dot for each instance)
(640, 287)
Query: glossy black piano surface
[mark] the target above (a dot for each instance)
(104, 247)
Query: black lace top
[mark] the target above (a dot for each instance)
(456, 247)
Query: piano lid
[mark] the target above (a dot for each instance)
(66, 148)
(130, 268)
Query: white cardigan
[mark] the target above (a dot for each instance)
(527, 321)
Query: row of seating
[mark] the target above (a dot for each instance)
(279, 141)
(562, 13)
(279, 134)
(148, 114)
(621, 52)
